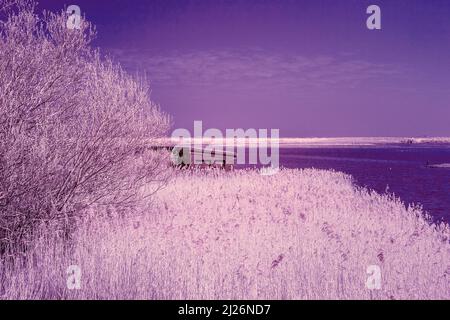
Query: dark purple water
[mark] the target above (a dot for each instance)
(401, 168)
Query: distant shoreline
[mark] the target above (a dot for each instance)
(316, 142)
(363, 141)
(440, 166)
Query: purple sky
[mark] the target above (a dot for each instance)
(308, 68)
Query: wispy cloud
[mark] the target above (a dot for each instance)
(252, 67)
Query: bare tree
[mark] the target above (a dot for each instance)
(75, 129)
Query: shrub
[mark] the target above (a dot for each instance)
(75, 129)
